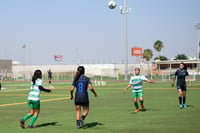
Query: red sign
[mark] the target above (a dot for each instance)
(136, 51)
(58, 57)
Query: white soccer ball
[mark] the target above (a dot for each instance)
(112, 4)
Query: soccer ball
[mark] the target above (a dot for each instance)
(112, 4)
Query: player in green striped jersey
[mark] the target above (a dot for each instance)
(137, 89)
(34, 99)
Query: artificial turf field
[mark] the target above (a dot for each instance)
(110, 112)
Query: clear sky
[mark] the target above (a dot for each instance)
(87, 30)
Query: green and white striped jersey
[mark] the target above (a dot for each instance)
(136, 82)
(34, 93)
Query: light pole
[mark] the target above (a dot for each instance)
(124, 11)
(197, 26)
(24, 47)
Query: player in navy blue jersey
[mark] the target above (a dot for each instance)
(180, 77)
(81, 83)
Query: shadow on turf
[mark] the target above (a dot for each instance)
(47, 124)
(190, 106)
(92, 124)
(132, 111)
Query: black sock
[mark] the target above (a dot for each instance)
(184, 99)
(83, 117)
(180, 100)
(78, 122)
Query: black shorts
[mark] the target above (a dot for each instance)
(81, 101)
(182, 87)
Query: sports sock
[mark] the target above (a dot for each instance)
(26, 117)
(184, 99)
(78, 122)
(180, 100)
(83, 117)
(136, 105)
(34, 118)
(141, 102)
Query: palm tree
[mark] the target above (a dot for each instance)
(147, 55)
(158, 45)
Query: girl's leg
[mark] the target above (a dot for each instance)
(34, 118)
(85, 112)
(78, 111)
(26, 117)
(136, 105)
(180, 98)
(142, 102)
(184, 99)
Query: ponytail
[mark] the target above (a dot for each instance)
(80, 71)
(37, 74)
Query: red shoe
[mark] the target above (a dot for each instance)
(136, 110)
(142, 106)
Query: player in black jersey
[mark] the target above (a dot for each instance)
(81, 83)
(180, 76)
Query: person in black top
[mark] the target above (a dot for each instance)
(81, 83)
(180, 76)
(49, 75)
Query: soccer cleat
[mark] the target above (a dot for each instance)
(181, 106)
(22, 123)
(136, 110)
(30, 126)
(81, 123)
(143, 108)
(79, 126)
(184, 106)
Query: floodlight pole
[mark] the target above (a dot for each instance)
(124, 11)
(197, 26)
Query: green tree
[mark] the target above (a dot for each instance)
(147, 55)
(162, 58)
(181, 57)
(158, 45)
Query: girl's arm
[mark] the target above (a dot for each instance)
(92, 89)
(71, 92)
(173, 81)
(188, 79)
(43, 89)
(128, 86)
(150, 81)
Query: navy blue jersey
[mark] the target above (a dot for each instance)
(81, 96)
(181, 74)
